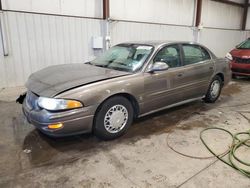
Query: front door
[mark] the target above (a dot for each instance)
(159, 86)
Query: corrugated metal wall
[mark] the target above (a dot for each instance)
(160, 11)
(221, 41)
(2, 71)
(87, 8)
(248, 19)
(129, 31)
(218, 40)
(219, 15)
(36, 41)
(221, 23)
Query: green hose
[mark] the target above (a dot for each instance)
(236, 144)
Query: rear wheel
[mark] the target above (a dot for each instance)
(214, 90)
(113, 118)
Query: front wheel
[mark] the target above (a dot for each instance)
(113, 118)
(214, 90)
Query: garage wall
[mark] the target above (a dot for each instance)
(160, 11)
(86, 8)
(36, 41)
(221, 41)
(2, 71)
(220, 36)
(130, 31)
(248, 19)
(219, 15)
(43, 33)
(134, 20)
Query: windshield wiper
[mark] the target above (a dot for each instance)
(119, 69)
(100, 65)
(121, 63)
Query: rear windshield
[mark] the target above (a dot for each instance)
(244, 45)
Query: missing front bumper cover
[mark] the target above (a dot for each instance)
(21, 98)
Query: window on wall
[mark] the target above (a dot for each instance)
(194, 54)
(169, 55)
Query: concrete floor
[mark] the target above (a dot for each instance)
(141, 158)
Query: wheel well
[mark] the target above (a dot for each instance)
(221, 76)
(131, 98)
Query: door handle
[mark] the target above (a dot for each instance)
(211, 68)
(180, 74)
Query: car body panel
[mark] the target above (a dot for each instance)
(241, 62)
(193, 78)
(149, 91)
(55, 79)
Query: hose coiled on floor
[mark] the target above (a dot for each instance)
(236, 144)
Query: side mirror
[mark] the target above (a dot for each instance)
(159, 66)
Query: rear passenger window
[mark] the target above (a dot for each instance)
(194, 54)
(169, 55)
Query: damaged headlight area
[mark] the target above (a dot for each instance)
(21, 98)
(58, 104)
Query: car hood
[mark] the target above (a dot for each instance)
(53, 80)
(244, 53)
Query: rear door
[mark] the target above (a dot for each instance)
(197, 70)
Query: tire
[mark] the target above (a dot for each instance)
(116, 108)
(234, 76)
(214, 90)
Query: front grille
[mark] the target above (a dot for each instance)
(31, 100)
(241, 70)
(241, 60)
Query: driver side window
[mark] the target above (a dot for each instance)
(169, 55)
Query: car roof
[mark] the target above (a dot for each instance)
(157, 43)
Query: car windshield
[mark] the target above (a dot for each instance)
(244, 45)
(124, 57)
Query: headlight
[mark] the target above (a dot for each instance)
(58, 104)
(229, 56)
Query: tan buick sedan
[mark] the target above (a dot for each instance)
(128, 81)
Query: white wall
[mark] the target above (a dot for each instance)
(129, 31)
(214, 15)
(221, 41)
(86, 8)
(248, 19)
(2, 72)
(238, 1)
(36, 41)
(178, 12)
(219, 15)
